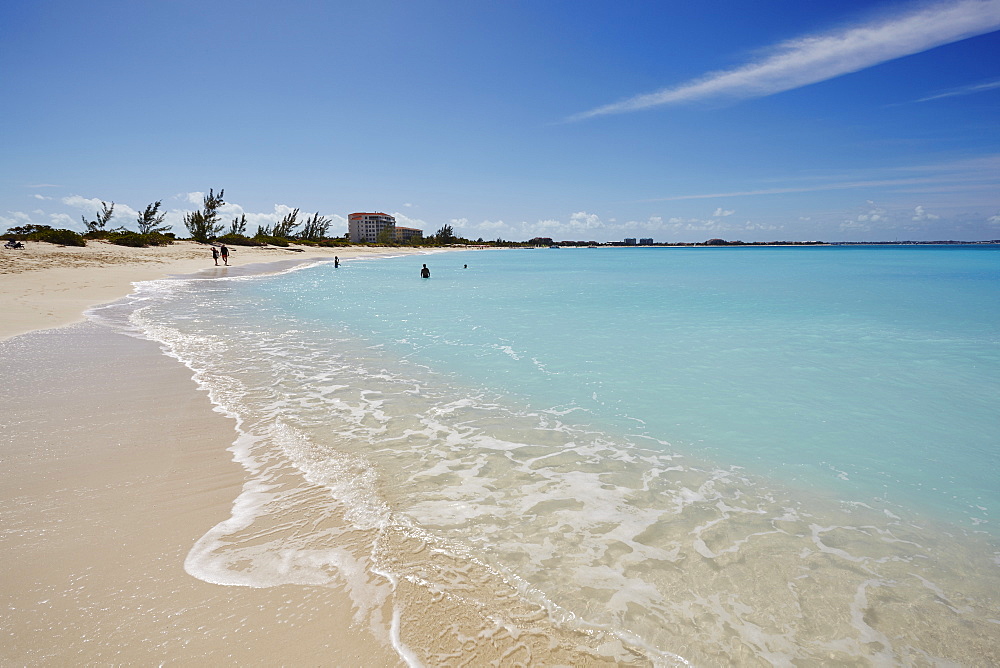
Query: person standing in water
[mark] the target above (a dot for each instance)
(336, 262)
(425, 272)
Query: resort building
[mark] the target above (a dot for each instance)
(365, 227)
(407, 234)
(646, 242)
(630, 241)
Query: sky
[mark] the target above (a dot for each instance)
(757, 120)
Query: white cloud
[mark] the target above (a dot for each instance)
(123, 214)
(61, 220)
(976, 172)
(919, 213)
(814, 58)
(874, 213)
(18, 218)
(964, 90)
(720, 212)
(855, 226)
(41, 197)
(582, 221)
(405, 221)
(491, 225)
(994, 220)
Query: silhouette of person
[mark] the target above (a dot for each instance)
(336, 262)
(225, 254)
(215, 255)
(425, 272)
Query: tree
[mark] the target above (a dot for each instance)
(103, 216)
(239, 225)
(385, 236)
(315, 228)
(287, 225)
(445, 235)
(204, 225)
(151, 220)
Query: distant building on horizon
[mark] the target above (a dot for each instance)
(365, 227)
(646, 242)
(630, 241)
(407, 234)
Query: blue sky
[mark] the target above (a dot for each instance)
(680, 121)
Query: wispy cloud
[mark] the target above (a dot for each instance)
(973, 173)
(814, 58)
(965, 90)
(845, 185)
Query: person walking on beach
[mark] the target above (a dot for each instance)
(225, 255)
(215, 255)
(425, 272)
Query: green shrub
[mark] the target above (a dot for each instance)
(334, 242)
(132, 239)
(136, 240)
(274, 241)
(159, 238)
(60, 237)
(238, 240)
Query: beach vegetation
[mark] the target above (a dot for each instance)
(445, 235)
(204, 224)
(151, 219)
(46, 233)
(265, 235)
(238, 227)
(285, 228)
(232, 239)
(272, 240)
(61, 237)
(385, 238)
(315, 228)
(137, 240)
(103, 216)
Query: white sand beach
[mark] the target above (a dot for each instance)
(44, 285)
(113, 464)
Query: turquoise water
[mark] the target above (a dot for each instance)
(870, 371)
(717, 455)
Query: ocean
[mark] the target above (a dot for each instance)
(638, 456)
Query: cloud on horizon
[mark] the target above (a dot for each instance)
(814, 58)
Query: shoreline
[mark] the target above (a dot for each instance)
(114, 466)
(115, 463)
(45, 286)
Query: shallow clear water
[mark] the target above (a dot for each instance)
(760, 455)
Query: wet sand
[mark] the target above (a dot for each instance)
(112, 465)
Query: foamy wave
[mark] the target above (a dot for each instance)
(534, 529)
